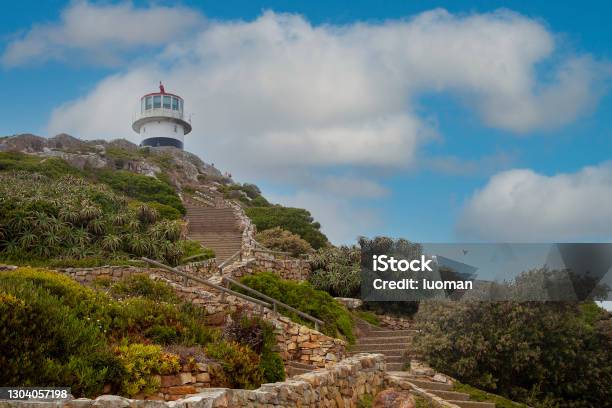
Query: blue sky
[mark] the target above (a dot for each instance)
(395, 118)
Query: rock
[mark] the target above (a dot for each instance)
(186, 378)
(441, 378)
(203, 377)
(170, 380)
(393, 399)
(182, 390)
(111, 401)
(80, 403)
(216, 319)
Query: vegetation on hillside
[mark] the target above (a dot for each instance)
(143, 188)
(540, 353)
(337, 271)
(302, 296)
(68, 218)
(296, 220)
(123, 334)
(279, 239)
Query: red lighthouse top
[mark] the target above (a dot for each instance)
(162, 91)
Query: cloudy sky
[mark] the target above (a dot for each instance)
(435, 121)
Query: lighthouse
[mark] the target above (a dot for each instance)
(160, 121)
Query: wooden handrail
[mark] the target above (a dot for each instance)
(231, 258)
(207, 283)
(275, 302)
(196, 256)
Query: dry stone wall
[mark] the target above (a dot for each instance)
(294, 269)
(340, 386)
(295, 342)
(203, 269)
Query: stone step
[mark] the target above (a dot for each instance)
(379, 350)
(390, 333)
(472, 404)
(395, 366)
(451, 395)
(384, 340)
(431, 385)
(395, 359)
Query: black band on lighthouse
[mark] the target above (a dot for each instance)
(162, 141)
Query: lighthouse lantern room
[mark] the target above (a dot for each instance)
(160, 121)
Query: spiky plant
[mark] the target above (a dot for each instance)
(80, 237)
(96, 226)
(133, 225)
(70, 215)
(89, 212)
(19, 222)
(147, 215)
(111, 243)
(121, 219)
(166, 230)
(27, 240)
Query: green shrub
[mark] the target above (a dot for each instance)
(141, 364)
(54, 332)
(259, 336)
(162, 323)
(302, 296)
(45, 342)
(539, 353)
(295, 220)
(53, 167)
(480, 396)
(285, 241)
(192, 248)
(368, 317)
(241, 365)
(166, 211)
(337, 271)
(142, 285)
(142, 188)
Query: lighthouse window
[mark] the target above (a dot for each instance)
(181, 105)
(167, 102)
(174, 104)
(157, 101)
(148, 103)
(174, 128)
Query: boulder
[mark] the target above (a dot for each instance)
(393, 399)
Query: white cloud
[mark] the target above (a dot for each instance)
(100, 32)
(340, 220)
(277, 97)
(524, 206)
(341, 95)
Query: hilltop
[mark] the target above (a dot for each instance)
(117, 183)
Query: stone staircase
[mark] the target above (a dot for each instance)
(425, 386)
(214, 227)
(393, 344)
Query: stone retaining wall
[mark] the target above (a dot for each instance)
(191, 380)
(203, 269)
(339, 386)
(295, 342)
(293, 269)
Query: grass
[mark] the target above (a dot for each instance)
(480, 396)
(421, 402)
(368, 317)
(365, 401)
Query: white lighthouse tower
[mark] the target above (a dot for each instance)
(160, 121)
